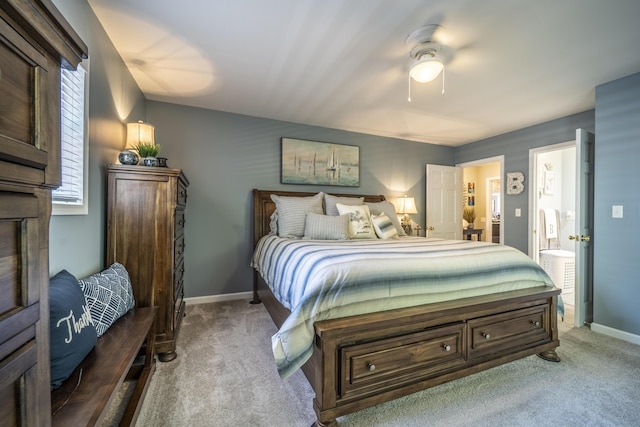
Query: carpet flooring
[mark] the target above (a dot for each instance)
(224, 375)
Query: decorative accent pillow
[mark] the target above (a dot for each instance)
(72, 333)
(384, 227)
(109, 295)
(330, 203)
(359, 221)
(387, 208)
(292, 212)
(325, 227)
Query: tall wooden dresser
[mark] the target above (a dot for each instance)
(145, 233)
(35, 41)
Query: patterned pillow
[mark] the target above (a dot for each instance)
(330, 203)
(384, 227)
(109, 296)
(72, 333)
(292, 212)
(390, 210)
(324, 227)
(359, 221)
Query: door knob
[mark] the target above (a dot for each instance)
(580, 238)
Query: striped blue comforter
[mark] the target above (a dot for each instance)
(318, 280)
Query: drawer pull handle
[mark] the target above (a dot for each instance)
(446, 347)
(535, 323)
(486, 336)
(371, 367)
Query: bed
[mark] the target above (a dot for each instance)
(360, 360)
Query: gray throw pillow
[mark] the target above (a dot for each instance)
(109, 296)
(292, 212)
(324, 227)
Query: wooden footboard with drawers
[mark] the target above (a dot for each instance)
(364, 360)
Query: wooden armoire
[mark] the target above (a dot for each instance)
(145, 233)
(35, 41)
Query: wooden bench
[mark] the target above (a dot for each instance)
(85, 397)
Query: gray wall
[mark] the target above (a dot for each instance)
(515, 147)
(77, 242)
(617, 173)
(226, 155)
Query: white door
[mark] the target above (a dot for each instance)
(444, 202)
(585, 156)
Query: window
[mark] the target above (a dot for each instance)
(71, 197)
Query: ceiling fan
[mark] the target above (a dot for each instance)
(427, 55)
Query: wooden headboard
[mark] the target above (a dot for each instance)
(263, 207)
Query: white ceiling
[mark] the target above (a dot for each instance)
(343, 63)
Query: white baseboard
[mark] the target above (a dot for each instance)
(218, 298)
(616, 333)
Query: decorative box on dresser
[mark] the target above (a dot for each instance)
(145, 233)
(35, 41)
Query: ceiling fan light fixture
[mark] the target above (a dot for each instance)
(426, 69)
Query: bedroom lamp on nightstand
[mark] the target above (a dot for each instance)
(405, 206)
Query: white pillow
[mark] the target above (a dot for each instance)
(324, 227)
(273, 224)
(330, 203)
(390, 210)
(384, 227)
(360, 226)
(292, 212)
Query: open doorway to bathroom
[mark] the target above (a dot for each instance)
(552, 217)
(483, 193)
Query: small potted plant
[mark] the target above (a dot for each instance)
(148, 153)
(469, 215)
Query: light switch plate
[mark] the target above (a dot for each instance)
(616, 211)
(518, 212)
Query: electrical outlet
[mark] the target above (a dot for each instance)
(518, 212)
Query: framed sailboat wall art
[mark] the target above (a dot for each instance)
(319, 163)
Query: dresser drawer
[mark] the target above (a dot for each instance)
(178, 277)
(179, 222)
(179, 249)
(507, 331)
(178, 308)
(391, 361)
(181, 195)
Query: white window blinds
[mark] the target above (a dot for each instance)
(72, 191)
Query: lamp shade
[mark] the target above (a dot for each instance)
(407, 205)
(426, 69)
(139, 132)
